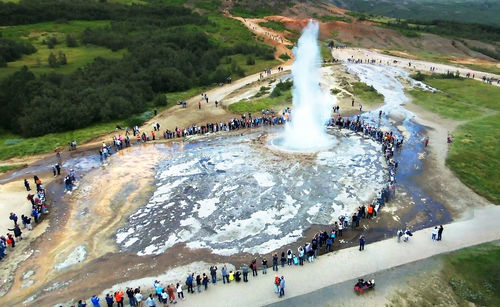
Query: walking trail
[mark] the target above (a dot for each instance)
(416, 65)
(350, 263)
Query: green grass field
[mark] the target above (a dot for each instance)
(474, 274)
(257, 105)
(12, 145)
(366, 93)
(36, 34)
(259, 65)
(474, 155)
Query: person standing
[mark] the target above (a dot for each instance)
(171, 293)
(399, 234)
(213, 273)
(225, 275)
(301, 255)
(244, 269)
(119, 298)
(282, 286)
(283, 259)
(13, 217)
(264, 266)
(362, 242)
(180, 293)
(95, 301)
(17, 232)
(254, 267)
(275, 262)
(150, 301)
(205, 281)
(131, 297)
(109, 300)
(189, 283)
(138, 298)
(27, 185)
(435, 232)
(277, 283)
(198, 283)
(440, 232)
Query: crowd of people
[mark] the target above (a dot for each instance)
(38, 209)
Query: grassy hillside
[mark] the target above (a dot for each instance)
(475, 152)
(469, 11)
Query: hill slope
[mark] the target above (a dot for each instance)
(469, 11)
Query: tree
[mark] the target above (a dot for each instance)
(52, 42)
(53, 60)
(61, 58)
(71, 41)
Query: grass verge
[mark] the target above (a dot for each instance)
(12, 145)
(474, 155)
(257, 105)
(9, 167)
(368, 94)
(474, 274)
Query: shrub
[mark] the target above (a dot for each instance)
(284, 56)
(250, 60)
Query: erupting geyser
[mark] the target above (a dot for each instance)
(311, 106)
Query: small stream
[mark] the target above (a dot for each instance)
(386, 80)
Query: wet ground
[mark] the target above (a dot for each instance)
(233, 194)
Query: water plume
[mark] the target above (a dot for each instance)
(311, 106)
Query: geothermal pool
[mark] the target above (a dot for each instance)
(232, 193)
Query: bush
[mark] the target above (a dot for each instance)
(281, 87)
(250, 60)
(138, 120)
(284, 56)
(53, 60)
(418, 76)
(51, 42)
(236, 69)
(71, 41)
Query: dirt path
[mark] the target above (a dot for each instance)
(350, 263)
(271, 37)
(416, 65)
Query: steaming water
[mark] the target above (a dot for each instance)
(231, 196)
(311, 106)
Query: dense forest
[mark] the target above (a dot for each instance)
(167, 51)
